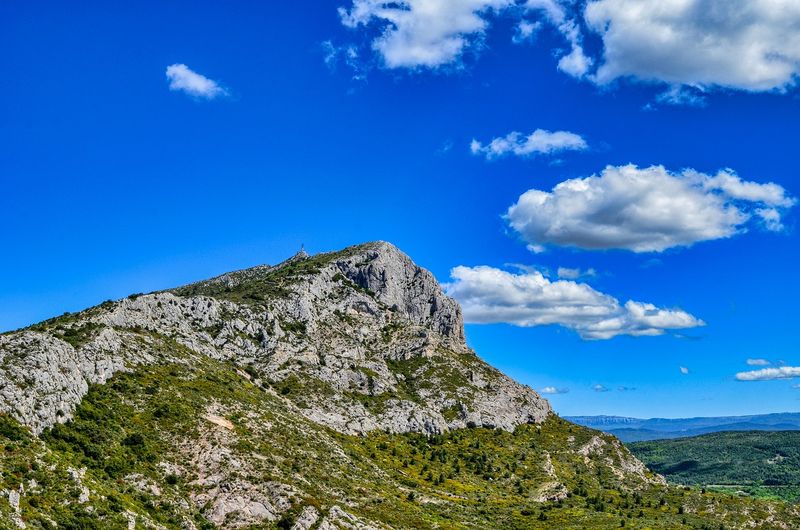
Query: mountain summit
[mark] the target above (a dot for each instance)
(328, 391)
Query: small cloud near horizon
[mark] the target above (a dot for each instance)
(553, 390)
(769, 374)
(684, 370)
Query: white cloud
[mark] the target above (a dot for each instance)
(768, 374)
(573, 274)
(526, 31)
(433, 33)
(684, 370)
(346, 55)
(489, 295)
(575, 63)
(743, 44)
(645, 209)
(427, 33)
(689, 45)
(682, 96)
(539, 141)
(599, 388)
(553, 390)
(626, 389)
(758, 362)
(183, 79)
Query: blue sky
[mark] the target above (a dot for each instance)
(290, 126)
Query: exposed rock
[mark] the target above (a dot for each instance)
(358, 330)
(307, 518)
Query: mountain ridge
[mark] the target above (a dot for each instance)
(636, 429)
(333, 391)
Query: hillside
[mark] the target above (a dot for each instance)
(764, 464)
(636, 430)
(333, 391)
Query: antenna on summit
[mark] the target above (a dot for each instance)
(302, 252)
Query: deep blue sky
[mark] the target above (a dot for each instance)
(113, 184)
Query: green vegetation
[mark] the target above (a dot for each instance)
(759, 463)
(259, 285)
(146, 427)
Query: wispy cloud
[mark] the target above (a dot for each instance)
(539, 141)
(684, 370)
(526, 31)
(490, 295)
(553, 390)
(768, 374)
(626, 388)
(599, 388)
(574, 274)
(680, 95)
(183, 79)
(758, 362)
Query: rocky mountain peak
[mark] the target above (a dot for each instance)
(358, 339)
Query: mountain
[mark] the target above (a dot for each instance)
(329, 391)
(765, 464)
(635, 429)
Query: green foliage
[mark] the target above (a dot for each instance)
(79, 335)
(764, 464)
(471, 478)
(258, 286)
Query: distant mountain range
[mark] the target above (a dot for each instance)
(636, 429)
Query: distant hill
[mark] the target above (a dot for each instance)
(636, 430)
(764, 464)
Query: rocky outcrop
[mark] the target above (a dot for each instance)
(359, 339)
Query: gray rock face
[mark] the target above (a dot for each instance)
(401, 284)
(358, 340)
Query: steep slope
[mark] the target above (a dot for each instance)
(333, 391)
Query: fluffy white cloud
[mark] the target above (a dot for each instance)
(645, 209)
(758, 362)
(684, 370)
(743, 44)
(489, 295)
(432, 33)
(539, 141)
(426, 33)
(182, 78)
(599, 388)
(553, 390)
(751, 45)
(768, 374)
